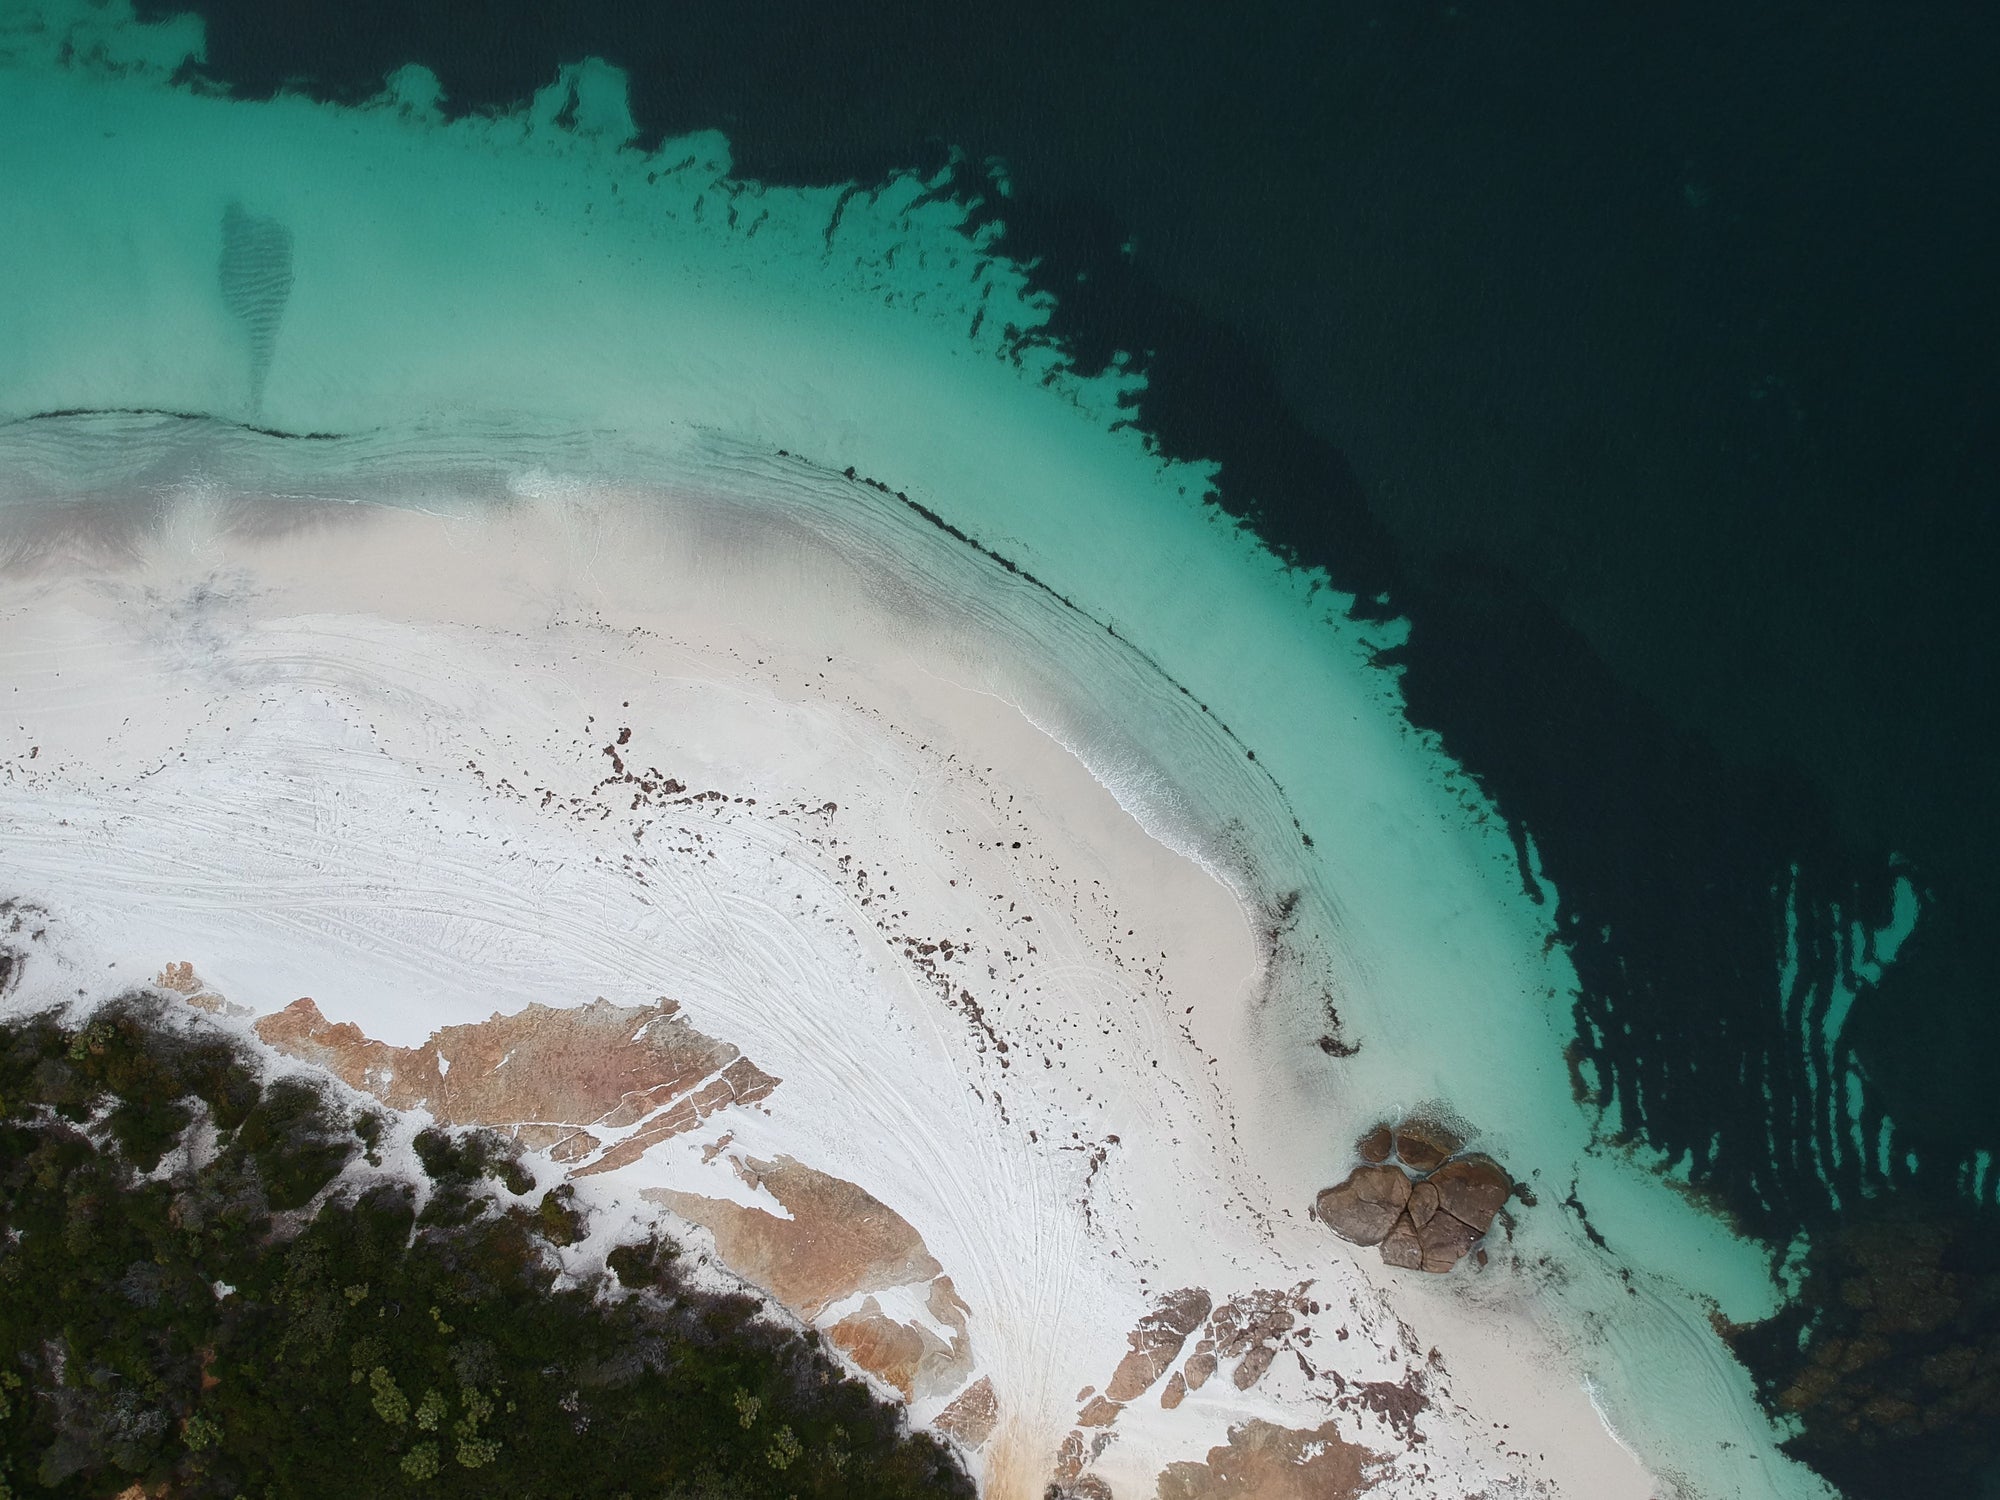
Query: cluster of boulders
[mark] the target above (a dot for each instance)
(1427, 1207)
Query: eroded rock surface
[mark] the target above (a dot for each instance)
(543, 1070)
(1364, 1206)
(971, 1415)
(1263, 1461)
(840, 1241)
(1426, 1224)
(1156, 1342)
(1471, 1189)
(1424, 1143)
(566, 1081)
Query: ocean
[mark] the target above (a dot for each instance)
(1612, 396)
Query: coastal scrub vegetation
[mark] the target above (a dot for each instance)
(211, 1286)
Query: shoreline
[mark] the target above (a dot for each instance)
(415, 663)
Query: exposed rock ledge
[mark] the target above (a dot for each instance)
(549, 1075)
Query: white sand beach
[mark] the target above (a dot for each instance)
(433, 769)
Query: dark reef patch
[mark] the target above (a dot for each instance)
(1890, 1356)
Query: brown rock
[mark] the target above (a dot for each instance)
(597, 1064)
(878, 1343)
(1423, 1144)
(1263, 1461)
(1423, 1202)
(1175, 1393)
(1377, 1144)
(1362, 1208)
(1401, 1246)
(1250, 1369)
(1444, 1241)
(1071, 1457)
(970, 1417)
(1156, 1342)
(1100, 1413)
(1199, 1368)
(840, 1238)
(1471, 1189)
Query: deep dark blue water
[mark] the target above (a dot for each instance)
(1649, 363)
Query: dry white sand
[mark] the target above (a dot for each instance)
(360, 754)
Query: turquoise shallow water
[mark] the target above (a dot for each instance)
(441, 304)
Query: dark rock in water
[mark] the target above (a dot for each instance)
(1423, 1144)
(1471, 1189)
(1402, 1247)
(1377, 1144)
(1363, 1207)
(1423, 1202)
(1444, 1242)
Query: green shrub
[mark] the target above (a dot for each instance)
(294, 1379)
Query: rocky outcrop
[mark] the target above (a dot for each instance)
(1251, 1329)
(544, 1073)
(567, 1081)
(839, 1241)
(1471, 1190)
(1156, 1342)
(971, 1415)
(1363, 1207)
(1263, 1461)
(1423, 1143)
(1429, 1222)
